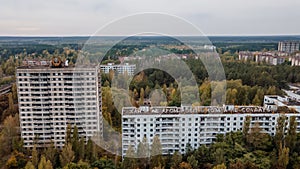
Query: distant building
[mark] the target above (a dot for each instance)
(179, 126)
(50, 98)
(295, 60)
(35, 62)
(121, 69)
(291, 101)
(271, 57)
(288, 46)
(210, 47)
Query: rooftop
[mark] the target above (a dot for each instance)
(227, 109)
(54, 63)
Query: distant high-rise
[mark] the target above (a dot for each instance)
(288, 46)
(50, 98)
(121, 69)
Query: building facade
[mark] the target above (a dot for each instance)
(295, 60)
(291, 101)
(271, 57)
(120, 69)
(50, 98)
(179, 126)
(288, 46)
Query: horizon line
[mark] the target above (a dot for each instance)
(209, 35)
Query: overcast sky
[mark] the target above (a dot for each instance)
(213, 17)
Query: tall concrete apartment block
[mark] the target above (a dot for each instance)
(179, 126)
(51, 97)
(288, 46)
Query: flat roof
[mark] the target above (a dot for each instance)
(63, 67)
(195, 110)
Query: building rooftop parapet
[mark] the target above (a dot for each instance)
(226, 109)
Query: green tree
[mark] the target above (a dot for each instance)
(291, 137)
(192, 161)
(68, 134)
(129, 159)
(246, 127)
(143, 153)
(75, 143)
(44, 164)
(156, 153)
(219, 156)
(271, 90)
(34, 156)
(81, 149)
(147, 91)
(231, 96)
(14, 92)
(280, 130)
(142, 96)
(205, 93)
(11, 107)
(67, 155)
(89, 151)
(283, 157)
(220, 166)
(257, 139)
(103, 163)
(51, 153)
(48, 165)
(258, 99)
(9, 137)
(176, 160)
(29, 165)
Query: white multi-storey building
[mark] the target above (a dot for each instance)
(50, 98)
(270, 57)
(178, 126)
(288, 46)
(291, 101)
(121, 69)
